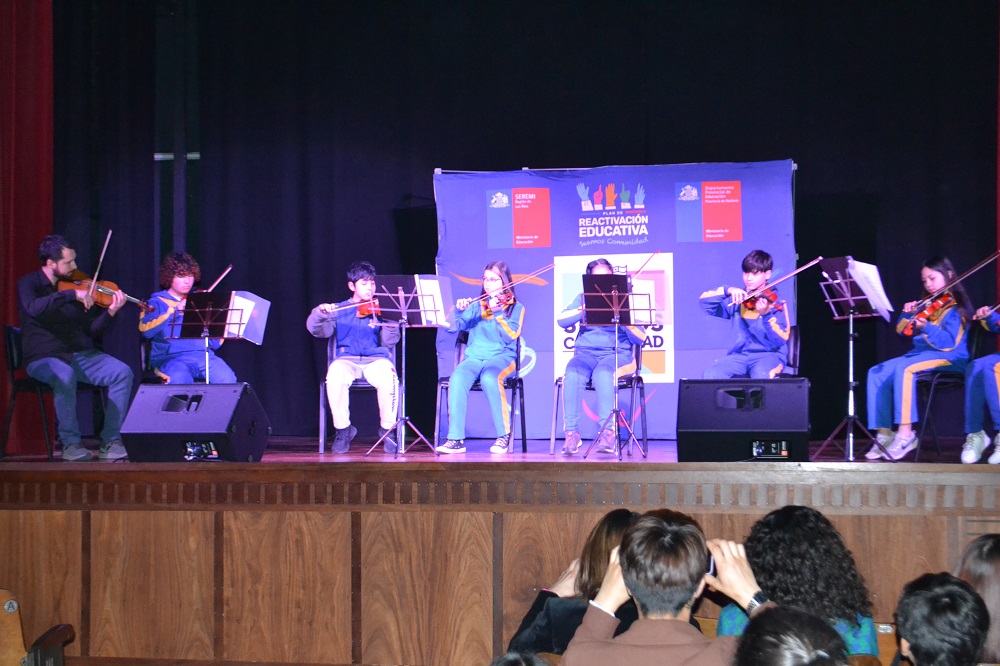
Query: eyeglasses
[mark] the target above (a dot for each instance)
(491, 279)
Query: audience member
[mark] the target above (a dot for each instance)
(514, 658)
(800, 560)
(786, 636)
(941, 621)
(662, 566)
(557, 611)
(980, 568)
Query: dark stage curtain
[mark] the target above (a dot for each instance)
(25, 169)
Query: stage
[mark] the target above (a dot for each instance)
(312, 558)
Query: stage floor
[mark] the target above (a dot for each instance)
(304, 450)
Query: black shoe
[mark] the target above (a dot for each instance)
(389, 443)
(342, 439)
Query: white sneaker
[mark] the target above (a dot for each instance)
(606, 441)
(975, 444)
(113, 451)
(502, 445)
(452, 446)
(995, 457)
(901, 447)
(76, 453)
(875, 453)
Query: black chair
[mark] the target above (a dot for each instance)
(514, 383)
(631, 382)
(21, 383)
(929, 383)
(791, 368)
(359, 384)
(149, 374)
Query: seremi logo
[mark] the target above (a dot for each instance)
(707, 212)
(518, 217)
(612, 227)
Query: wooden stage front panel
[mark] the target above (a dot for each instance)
(403, 563)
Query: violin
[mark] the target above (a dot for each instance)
(939, 303)
(770, 295)
(369, 308)
(102, 291)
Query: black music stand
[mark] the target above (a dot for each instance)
(851, 293)
(606, 303)
(222, 315)
(415, 300)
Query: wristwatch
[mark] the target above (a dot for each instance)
(756, 600)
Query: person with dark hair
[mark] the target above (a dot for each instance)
(493, 321)
(598, 355)
(941, 621)
(760, 341)
(359, 346)
(982, 392)
(980, 568)
(800, 560)
(938, 344)
(785, 636)
(176, 360)
(58, 329)
(662, 566)
(558, 610)
(517, 658)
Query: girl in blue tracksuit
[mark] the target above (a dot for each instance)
(981, 391)
(938, 344)
(596, 354)
(760, 339)
(494, 323)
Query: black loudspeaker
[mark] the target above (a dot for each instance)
(196, 422)
(743, 419)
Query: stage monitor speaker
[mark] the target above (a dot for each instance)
(743, 419)
(195, 422)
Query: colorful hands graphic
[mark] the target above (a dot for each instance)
(583, 191)
(598, 196)
(640, 195)
(609, 195)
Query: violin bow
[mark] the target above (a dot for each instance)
(224, 274)
(514, 283)
(760, 290)
(975, 269)
(100, 262)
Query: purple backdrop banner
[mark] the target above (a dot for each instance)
(700, 220)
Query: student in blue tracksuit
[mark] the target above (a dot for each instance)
(981, 391)
(760, 338)
(179, 361)
(938, 344)
(494, 323)
(595, 354)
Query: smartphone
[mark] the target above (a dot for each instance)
(711, 565)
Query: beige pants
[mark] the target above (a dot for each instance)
(378, 372)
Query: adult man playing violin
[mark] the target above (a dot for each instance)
(358, 347)
(57, 337)
(760, 345)
(179, 360)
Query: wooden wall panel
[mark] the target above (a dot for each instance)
(287, 591)
(426, 588)
(152, 584)
(537, 547)
(40, 564)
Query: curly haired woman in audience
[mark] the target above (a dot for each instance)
(557, 611)
(800, 560)
(980, 568)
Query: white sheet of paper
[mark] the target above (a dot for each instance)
(867, 277)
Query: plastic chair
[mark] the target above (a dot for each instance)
(21, 383)
(514, 383)
(929, 383)
(632, 382)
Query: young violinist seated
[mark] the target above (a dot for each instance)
(938, 332)
(359, 347)
(981, 393)
(493, 321)
(176, 360)
(760, 338)
(598, 355)
(58, 329)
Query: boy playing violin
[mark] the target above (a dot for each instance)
(57, 332)
(179, 361)
(358, 347)
(760, 346)
(982, 390)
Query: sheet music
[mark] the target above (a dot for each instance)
(431, 290)
(239, 314)
(867, 277)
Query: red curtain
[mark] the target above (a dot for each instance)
(25, 170)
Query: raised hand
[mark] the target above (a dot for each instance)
(565, 585)
(626, 195)
(598, 196)
(609, 194)
(583, 191)
(640, 195)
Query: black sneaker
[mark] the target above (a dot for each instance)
(389, 443)
(342, 439)
(452, 446)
